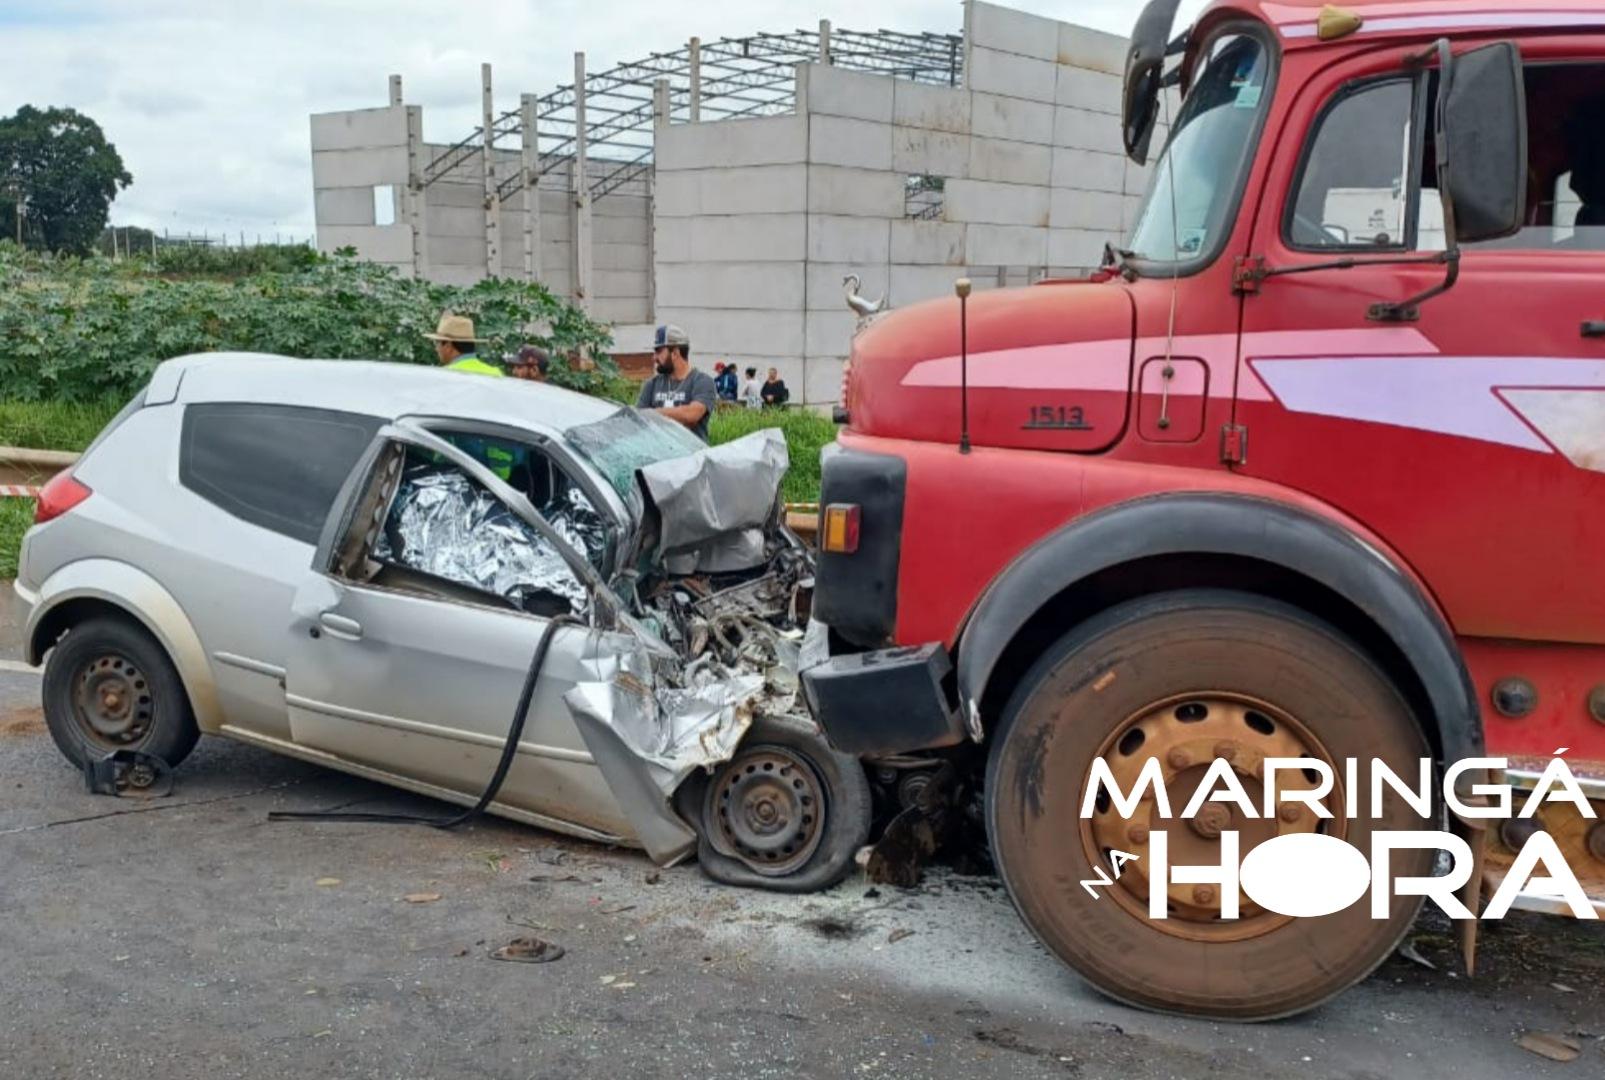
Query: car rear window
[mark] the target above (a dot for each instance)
(276, 466)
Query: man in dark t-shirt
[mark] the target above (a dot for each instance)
(678, 390)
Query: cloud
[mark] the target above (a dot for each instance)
(208, 102)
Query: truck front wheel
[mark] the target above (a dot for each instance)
(1187, 678)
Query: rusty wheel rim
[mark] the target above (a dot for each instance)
(1186, 733)
(112, 702)
(768, 807)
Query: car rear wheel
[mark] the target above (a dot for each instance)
(110, 686)
(787, 813)
(1187, 678)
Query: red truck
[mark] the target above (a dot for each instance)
(1310, 470)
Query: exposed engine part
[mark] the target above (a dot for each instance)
(130, 774)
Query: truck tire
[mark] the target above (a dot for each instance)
(787, 813)
(1188, 677)
(110, 686)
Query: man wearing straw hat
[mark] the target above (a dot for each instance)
(456, 345)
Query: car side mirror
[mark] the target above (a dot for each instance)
(1482, 136)
(1145, 61)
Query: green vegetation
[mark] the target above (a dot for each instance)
(92, 329)
(54, 425)
(15, 517)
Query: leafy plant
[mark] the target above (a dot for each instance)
(90, 329)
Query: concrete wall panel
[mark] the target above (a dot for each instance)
(822, 380)
(995, 204)
(736, 238)
(1013, 31)
(343, 206)
(764, 140)
(1079, 248)
(826, 291)
(1092, 49)
(1074, 209)
(1088, 170)
(1007, 245)
(911, 284)
(360, 129)
(1012, 118)
(854, 192)
(834, 91)
(930, 153)
(861, 144)
(382, 243)
(848, 240)
(1010, 74)
(751, 285)
(1083, 129)
(1009, 161)
(757, 189)
(934, 108)
(1094, 90)
(830, 333)
(930, 243)
(359, 168)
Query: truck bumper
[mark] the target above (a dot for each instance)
(891, 701)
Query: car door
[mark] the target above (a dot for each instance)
(417, 673)
(1471, 438)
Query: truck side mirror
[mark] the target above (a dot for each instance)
(1145, 63)
(1482, 135)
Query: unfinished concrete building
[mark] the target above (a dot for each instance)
(731, 186)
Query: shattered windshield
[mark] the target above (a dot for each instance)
(626, 441)
(1197, 180)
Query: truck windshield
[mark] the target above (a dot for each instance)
(1197, 180)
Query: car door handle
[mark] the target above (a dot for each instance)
(1594, 328)
(341, 627)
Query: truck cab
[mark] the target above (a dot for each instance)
(1309, 468)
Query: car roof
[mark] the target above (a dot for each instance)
(374, 388)
(1295, 20)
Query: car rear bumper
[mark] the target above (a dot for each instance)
(892, 701)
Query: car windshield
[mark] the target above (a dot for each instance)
(619, 445)
(1197, 179)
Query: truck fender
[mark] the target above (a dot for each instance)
(137, 594)
(1251, 527)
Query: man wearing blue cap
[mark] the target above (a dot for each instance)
(678, 390)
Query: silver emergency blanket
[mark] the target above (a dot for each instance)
(675, 730)
(442, 524)
(714, 504)
(572, 517)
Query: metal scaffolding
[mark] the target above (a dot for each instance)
(716, 80)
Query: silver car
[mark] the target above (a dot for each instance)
(411, 575)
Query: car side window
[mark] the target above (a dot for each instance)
(278, 467)
(1353, 191)
(422, 525)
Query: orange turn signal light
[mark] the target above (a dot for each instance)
(839, 529)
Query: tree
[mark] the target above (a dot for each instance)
(59, 166)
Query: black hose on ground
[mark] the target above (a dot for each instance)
(510, 748)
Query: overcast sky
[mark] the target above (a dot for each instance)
(208, 101)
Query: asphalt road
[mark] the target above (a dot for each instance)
(190, 937)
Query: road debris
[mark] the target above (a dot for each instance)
(529, 950)
(1412, 952)
(326, 882)
(898, 935)
(551, 856)
(421, 897)
(1551, 1045)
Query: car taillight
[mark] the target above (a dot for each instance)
(61, 494)
(839, 530)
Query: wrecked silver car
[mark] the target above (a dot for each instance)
(497, 593)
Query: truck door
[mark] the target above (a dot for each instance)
(1472, 439)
